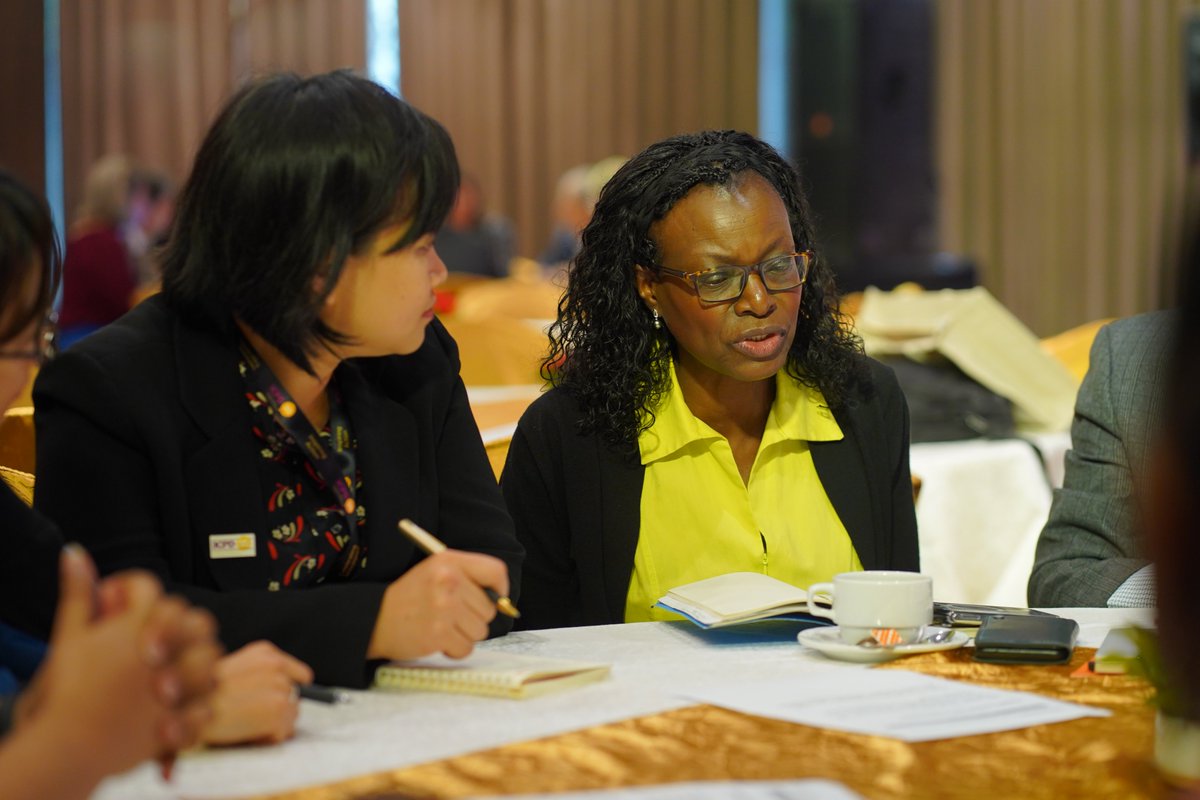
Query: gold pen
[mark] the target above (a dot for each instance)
(432, 545)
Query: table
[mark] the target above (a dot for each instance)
(981, 509)
(497, 408)
(635, 729)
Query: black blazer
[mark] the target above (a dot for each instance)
(576, 502)
(145, 449)
(29, 567)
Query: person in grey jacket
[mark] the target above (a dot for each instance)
(1089, 553)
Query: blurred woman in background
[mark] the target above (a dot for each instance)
(99, 276)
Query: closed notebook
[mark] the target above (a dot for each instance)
(735, 598)
(490, 673)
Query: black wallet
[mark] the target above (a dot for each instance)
(1018, 639)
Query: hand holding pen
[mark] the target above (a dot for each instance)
(432, 546)
(438, 606)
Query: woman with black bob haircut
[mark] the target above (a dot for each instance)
(254, 433)
(712, 411)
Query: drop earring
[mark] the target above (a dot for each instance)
(657, 320)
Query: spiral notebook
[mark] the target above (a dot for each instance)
(495, 674)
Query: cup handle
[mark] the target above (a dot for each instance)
(820, 589)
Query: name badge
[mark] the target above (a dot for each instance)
(232, 545)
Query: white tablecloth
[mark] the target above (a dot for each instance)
(653, 663)
(981, 508)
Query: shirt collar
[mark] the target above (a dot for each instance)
(798, 413)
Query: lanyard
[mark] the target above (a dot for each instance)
(336, 467)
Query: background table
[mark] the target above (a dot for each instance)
(981, 509)
(635, 728)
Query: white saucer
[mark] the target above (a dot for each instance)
(828, 642)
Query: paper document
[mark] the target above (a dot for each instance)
(894, 703)
(811, 789)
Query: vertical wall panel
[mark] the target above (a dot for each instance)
(144, 78)
(22, 105)
(1060, 148)
(588, 80)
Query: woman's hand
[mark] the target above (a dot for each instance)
(256, 698)
(127, 678)
(438, 606)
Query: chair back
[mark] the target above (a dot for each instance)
(1072, 348)
(17, 449)
(20, 482)
(498, 351)
(508, 297)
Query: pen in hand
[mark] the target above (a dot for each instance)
(432, 545)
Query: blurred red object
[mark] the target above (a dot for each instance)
(443, 302)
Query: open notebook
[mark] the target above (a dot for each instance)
(738, 597)
(490, 673)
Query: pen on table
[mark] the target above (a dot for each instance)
(432, 545)
(322, 694)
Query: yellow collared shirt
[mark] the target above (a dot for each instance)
(698, 519)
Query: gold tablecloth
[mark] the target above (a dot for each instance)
(1096, 758)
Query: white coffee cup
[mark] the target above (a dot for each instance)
(873, 600)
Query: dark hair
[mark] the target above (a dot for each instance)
(27, 241)
(604, 348)
(295, 175)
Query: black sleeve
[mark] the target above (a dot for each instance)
(472, 514)
(29, 567)
(1089, 545)
(533, 486)
(904, 548)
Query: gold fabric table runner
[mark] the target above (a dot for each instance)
(1095, 758)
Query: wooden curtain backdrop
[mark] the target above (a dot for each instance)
(1059, 130)
(145, 77)
(1061, 151)
(530, 88)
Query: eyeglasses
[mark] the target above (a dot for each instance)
(46, 349)
(721, 284)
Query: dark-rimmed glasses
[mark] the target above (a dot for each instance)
(721, 284)
(46, 349)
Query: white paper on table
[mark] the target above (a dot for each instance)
(896, 704)
(810, 789)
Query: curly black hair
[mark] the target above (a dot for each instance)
(604, 348)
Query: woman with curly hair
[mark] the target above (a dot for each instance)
(712, 412)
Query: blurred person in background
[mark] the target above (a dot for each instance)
(575, 199)
(570, 211)
(472, 241)
(151, 207)
(99, 276)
